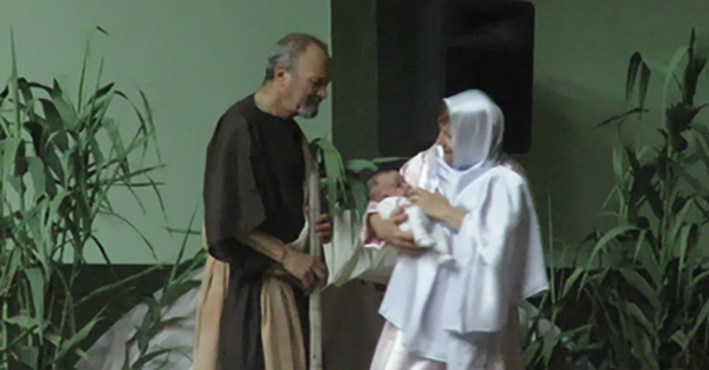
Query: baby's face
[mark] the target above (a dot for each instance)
(391, 184)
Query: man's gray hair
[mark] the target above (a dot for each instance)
(288, 50)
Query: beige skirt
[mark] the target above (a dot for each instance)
(281, 333)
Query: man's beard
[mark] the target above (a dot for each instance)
(309, 109)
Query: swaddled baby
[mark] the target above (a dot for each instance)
(387, 192)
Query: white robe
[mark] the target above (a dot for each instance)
(468, 317)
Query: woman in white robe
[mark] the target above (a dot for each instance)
(465, 317)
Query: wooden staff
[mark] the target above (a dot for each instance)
(316, 252)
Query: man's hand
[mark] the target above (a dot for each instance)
(323, 227)
(311, 272)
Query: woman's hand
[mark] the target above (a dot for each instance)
(437, 206)
(388, 231)
(433, 204)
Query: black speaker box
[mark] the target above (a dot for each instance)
(429, 49)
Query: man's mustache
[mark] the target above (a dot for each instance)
(313, 100)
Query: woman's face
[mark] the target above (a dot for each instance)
(444, 134)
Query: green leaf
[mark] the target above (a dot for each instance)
(381, 160)
(359, 165)
(146, 358)
(103, 31)
(29, 356)
(126, 179)
(150, 124)
(610, 236)
(100, 98)
(33, 223)
(36, 283)
(82, 79)
(9, 155)
(531, 353)
(183, 231)
(640, 284)
(70, 344)
(637, 313)
(679, 221)
(649, 261)
(185, 238)
(12, 265)
(644, 82)
(24, 88)
(151, 318)
(336, 179)
(681, 338)
(637, 64)
(701, 318)
(146, 132)
(66, 111)
(104, 254)
(36, 169)
(639, 244)
(619, 171)
(622, 117)
(569, 283)
(135, 229)
(14, 81)
(54, 164)
(360, 193)
(117, 143)
(97, 154)
(97, 107)
(116, 285)
(633, 66)
(699, 186)
(671, 74)
(175, 292)
(23, 335)
(698, 279)
(162, 325)
(701, 139)
(55, 205)
(23, 321)
(687, 241)
(550, 344)
(55, 124)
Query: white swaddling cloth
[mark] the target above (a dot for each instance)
(426, 235)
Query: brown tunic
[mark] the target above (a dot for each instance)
(253, 182)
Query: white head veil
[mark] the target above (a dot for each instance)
(477, 127)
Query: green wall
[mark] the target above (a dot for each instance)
(582, 52)
(192, 58)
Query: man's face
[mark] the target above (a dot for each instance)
(305, 87)
(444, 136)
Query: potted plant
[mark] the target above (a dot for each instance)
(56, 181)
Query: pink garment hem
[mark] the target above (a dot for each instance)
(369, 240)
(391, 354)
